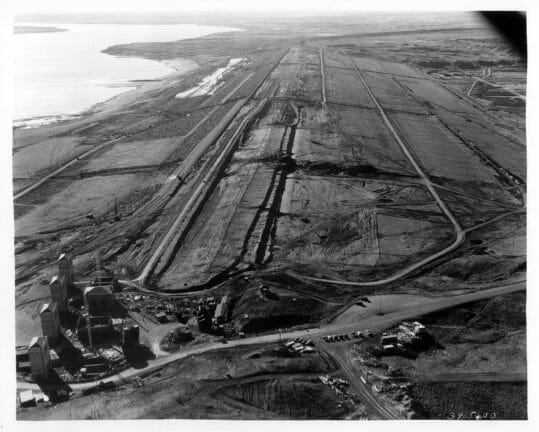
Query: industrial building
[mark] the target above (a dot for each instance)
(65, 270)
(22, 359)
(388, 339)
(38, 352)
(50, 321)
(105, 277)
(94, 328)
(205, 311)
(58, 292)
(95, 320)
(26, 398)
(99, 300)
(221, 311)
(131, 336)
(419, 329)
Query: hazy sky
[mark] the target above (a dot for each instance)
(55, 6)
(81, 6)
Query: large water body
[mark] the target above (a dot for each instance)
(64, 73)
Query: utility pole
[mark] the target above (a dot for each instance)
(89, 328)
(116, 215)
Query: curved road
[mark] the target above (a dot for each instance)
(406, 271)
(460, 232)
(376, 324)
(424, 179)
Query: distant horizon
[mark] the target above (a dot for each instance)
(178, 17)
(253, 12)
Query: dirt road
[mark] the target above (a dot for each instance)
(426, 181)
(376, 324)
(63, 168)
(353, 374)
(410, 269)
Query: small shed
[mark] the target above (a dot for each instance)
(26, 398)
(388, 339)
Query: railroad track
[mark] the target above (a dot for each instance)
(181, 222)
(377, 324)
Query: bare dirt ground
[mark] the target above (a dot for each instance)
(250, 382)
(483, 339)
(380, 305)
(317, 156)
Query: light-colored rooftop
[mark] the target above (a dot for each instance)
(26, 396)
(40, 341)
(98, 290)
(48, 307)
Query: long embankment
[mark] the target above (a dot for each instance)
(170, 242)
(164, 252)
(146, 215)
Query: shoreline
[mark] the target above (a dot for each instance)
(177, 70)
(178, 66)
(25, 29)
(139, 49)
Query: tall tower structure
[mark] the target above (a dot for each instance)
(65, 270)
(40, 359)
(50, 321)
(58, 291)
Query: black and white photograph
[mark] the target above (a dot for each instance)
(279, 211)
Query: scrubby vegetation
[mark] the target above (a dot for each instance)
(443, 400)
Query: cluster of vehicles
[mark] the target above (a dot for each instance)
(306, 342)
(344, 337)
(300, 346)
(337, 384)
